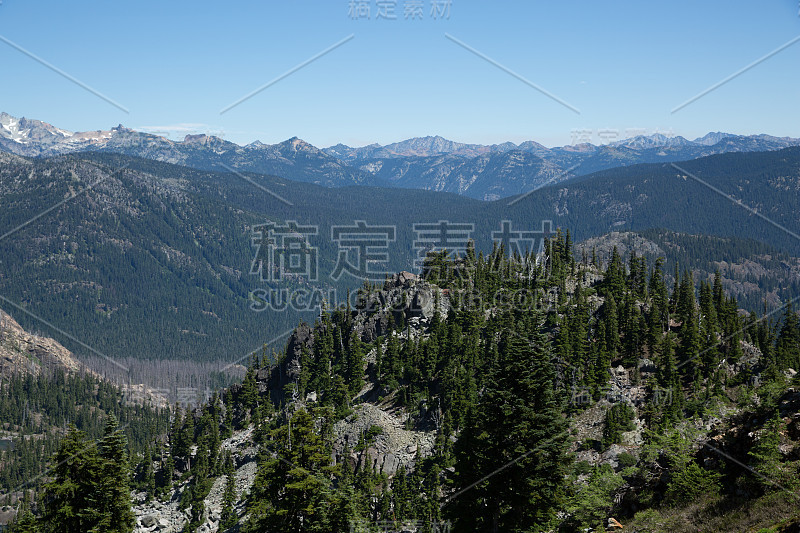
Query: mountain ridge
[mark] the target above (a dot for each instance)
(486, 172)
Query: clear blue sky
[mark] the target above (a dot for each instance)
(625, 65)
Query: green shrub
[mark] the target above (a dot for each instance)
(691, 483)
(583, 467)
(619, 419)
(626, 459)
(592, 502)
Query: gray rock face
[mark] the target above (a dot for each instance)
(404, 297)
(647, 365)
(166, 517)
(275, 378)
(393, 448)
(611, 455)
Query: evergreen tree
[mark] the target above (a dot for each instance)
(90, 489)
(24, 522)
(249, 391)
(148, 475)
(68, 497)
(289, 493)
(614, 282)
(114, 495)
(670, 393)
(619, 418)
(611, 325)
(229, 518)
(519, 435)
(787, 347)
(166, 475)
(765, 457)
(355, 364)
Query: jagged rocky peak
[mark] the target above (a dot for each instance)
(276, 377)
(406, 298)
(23, 130)
(200, 138)
(296, 144)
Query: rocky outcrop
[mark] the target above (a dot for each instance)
(275, 378)
(22, 352)
(166, 517)
(404, 298)
(394, 447)
(588, 425)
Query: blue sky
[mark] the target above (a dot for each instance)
(624, 65)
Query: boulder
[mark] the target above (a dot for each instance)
(148, 521)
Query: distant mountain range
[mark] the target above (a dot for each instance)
(486, 172)
(292, 159)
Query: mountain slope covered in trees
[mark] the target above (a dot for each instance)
(153, 260)
(505, 363)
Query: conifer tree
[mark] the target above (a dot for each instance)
(611, 325)
(787, 347)
(68, 497)
(614, 282)
(519, 435)
(148, 475)
(670, 393)
(228, 518)
(249, 392)
(355, 364)
(765, 456)
(288, 494)
(114, 499)
(24, 522)
(167, 474)
(90, 490)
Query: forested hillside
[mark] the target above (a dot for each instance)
(758, 275)
(153, 261)
(496, 393)
(680, 199)
(45, 394)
